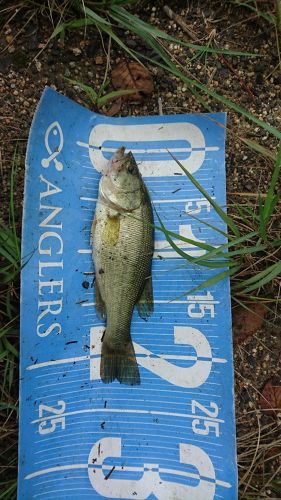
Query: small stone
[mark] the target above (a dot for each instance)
(98, 60)
(76, 51)
(38, 65)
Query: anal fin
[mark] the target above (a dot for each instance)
(145, 303)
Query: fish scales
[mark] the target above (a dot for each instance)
(123, 268)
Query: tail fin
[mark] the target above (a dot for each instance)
(119, 364)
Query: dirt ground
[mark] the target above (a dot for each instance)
(28, 63)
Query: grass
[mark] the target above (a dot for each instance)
(251, 255)
(252, 258)
(9, 329)
(98, 98)
(259, 451)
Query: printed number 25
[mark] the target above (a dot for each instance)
(45, 411)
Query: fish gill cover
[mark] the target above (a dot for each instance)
(172, 436)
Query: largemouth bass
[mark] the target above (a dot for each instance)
(122, 238)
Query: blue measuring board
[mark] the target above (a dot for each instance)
(172, 437)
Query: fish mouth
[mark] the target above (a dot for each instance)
(121, 161)
(119, 154)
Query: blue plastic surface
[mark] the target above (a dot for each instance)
(172, 437)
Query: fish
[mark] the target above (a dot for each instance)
(123, 241)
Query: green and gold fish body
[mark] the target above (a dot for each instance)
(122, 236)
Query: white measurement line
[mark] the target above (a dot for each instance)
(57, 491)
(189, 474)
(58, 362)
(89, 188)
(159, 250)
(65, 458)
(170, 393)
(87, 198)
(87, 304)
(71, 478)
(209, 447)
(77, 436)
(56, 469)
(139, 457)
(178, 200)
(87, 358)
(117, 410)
(121, 468)
(148, 150)
(91, 178)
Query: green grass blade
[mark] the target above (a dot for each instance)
(7, 406)
(77, 23)
(271, 199)
(115, 93)
(9, 347)
(217, 208)
(205, 223)
(189, 258)
(91, 93)
(226, 246)
(272, 272)
(171, 67)
(245, 213)
(6, 494)
(118, 40)
(90, 14)
(262, 225)
(265, 15)
(12, 219)
(257, 277)
(215, 279)
(255, 146)
(231, 104)
(126, 19)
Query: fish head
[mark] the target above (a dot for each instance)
(121, 186)
(124, 172)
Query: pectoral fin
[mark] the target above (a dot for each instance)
(100, 305)
(145, 303)
(110, 233)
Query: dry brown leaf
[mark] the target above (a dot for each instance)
(131, 75)
(270, 398)
(115, 107)
(246, 323)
